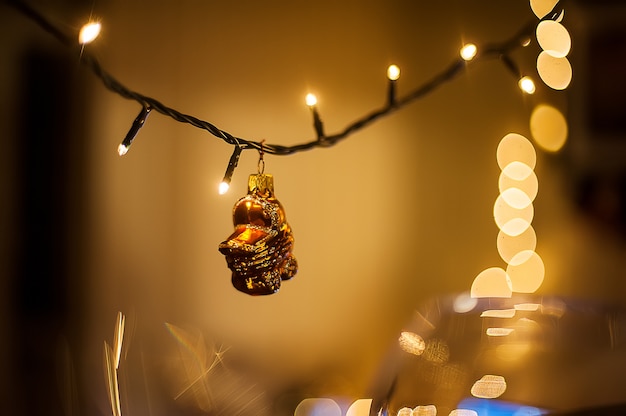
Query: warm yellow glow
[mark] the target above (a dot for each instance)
(548, 127)
(436, 351)
(468, 51)
(556, 73)
(498, 313)
(310, 407)
(512, 351)
(499, 332)
(509, 246)
(428, 410)
(118, 338)
(515, 148)
(491, 283)
(393, 72)
(510, 220)
(527, 326)
(489, 387)
(517, 171)
(464, 303)
(360, 407)
(122, 150)
(526, 271)
(553, 38)
(542, 7)
(311, 100)
(527, 85)
(529, 186)
(463, 412)
(405, 411)
(89, 32)
(223, 188)
(553, 307)
(412, 343)
(516, 198)
(527, 307)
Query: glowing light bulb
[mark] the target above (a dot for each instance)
(122, 149)
(468, 52)
(311, 100)
(527, 85)
(89, 32)
(223, 188)
(393, 72)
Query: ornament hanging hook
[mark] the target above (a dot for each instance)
(261, 164)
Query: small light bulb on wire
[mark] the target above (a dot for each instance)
(122, 149)
(89, 32)
(393, 72)
(527, 85)
(311, 100)
(232, 164)
(468, 51)
(223, 188)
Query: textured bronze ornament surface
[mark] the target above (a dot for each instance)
(259, 251)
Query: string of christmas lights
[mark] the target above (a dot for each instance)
(468, 54)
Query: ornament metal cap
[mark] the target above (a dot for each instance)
(261, 184)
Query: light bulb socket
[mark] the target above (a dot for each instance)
(134, 130)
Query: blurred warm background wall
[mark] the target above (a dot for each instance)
(398, 213)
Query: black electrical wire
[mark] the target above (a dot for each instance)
(500, 51)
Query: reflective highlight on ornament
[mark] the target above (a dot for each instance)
(259, 252)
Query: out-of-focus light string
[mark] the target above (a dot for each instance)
(500, 51)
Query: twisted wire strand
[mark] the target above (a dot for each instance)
(500, 51)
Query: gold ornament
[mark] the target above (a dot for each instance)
(259, 251)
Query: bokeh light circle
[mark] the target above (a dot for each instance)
(542, 7)
(548, 128)
(510, 220)
(515, 148)
(526, 272)
(314, 406)
(510, 246)
(529, 185)
(464, 303)
(491, 283)
(516, 198)
(517, 171)
(553, 38)
(556, 73)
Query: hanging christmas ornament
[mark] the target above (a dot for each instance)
(259, 251)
